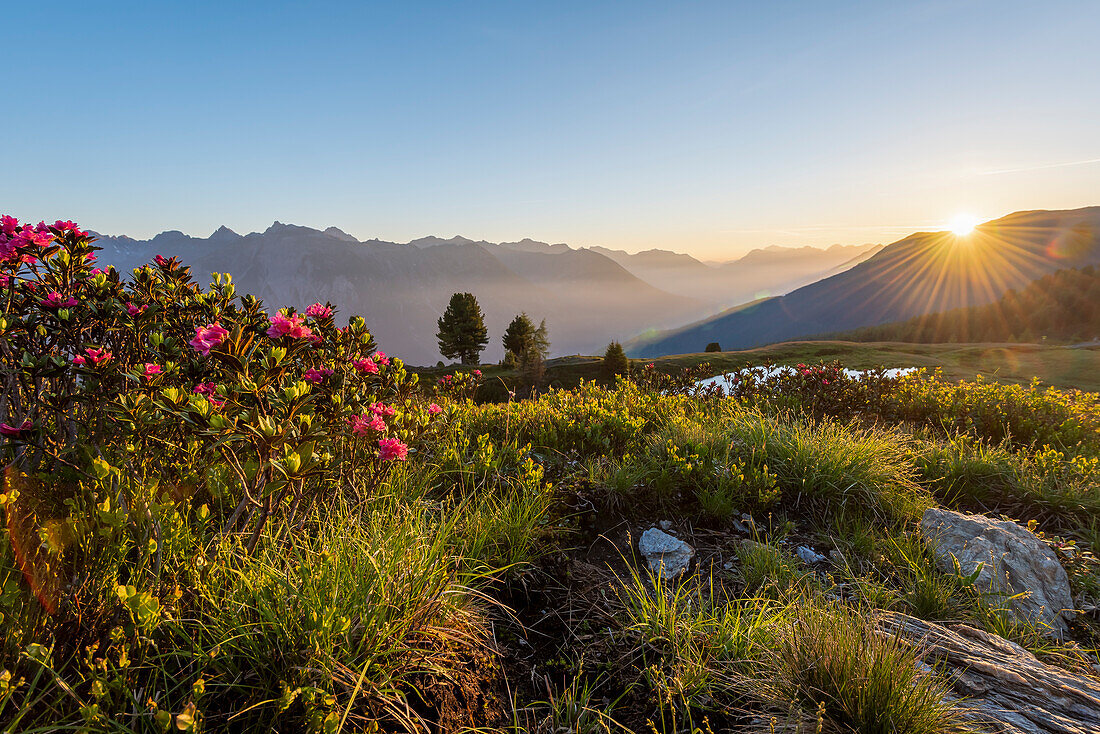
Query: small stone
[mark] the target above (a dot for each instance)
(665, 525)
(665, 555)
(808, 555)
(727, 565)
(838, 557)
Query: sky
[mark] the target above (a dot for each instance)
(703, 127)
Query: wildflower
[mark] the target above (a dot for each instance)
(8, 225)
(134, 309)
(28, 237)
(477, 373)
(162, 261)
(151, 370)
(54, 299)
(92, 356)
(382, 359)
(15, 431)
(361, 425)
(318, 311)
(391, 449)
(207, 337)
(69, 226)
(365, 366)
(434, 409)
(291, 326)
(205, 388)
(382, 409)
(315, 376)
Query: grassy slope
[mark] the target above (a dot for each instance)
(1063, 367)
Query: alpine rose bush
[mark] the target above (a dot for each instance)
(267, 412)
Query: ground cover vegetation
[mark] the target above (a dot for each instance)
(221, 518)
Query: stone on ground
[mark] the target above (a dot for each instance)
(665, 555)
(1015, 562)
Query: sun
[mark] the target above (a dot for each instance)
(963, 224)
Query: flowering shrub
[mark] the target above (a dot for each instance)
(269, 412)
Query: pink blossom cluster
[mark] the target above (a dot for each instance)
(151, 370)
(134, 309)
(14, 237)
(365, 365)
(373, 420)
(316, 376)
(319, 311)
(290, 326)
(54, 299)
(93, 357)
(205, 388)
(434, 409)
(207, 337)
(391, 449)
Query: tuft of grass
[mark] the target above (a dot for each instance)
(832, 660)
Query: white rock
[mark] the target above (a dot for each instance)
(808, 555)
(1014, 562)
(665, 555)
(665, 525)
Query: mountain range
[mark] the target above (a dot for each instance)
(924, 273)
(588, 296)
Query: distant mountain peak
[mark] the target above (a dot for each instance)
(223, 234)
(340, 234)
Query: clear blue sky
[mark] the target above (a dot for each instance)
(707, 127)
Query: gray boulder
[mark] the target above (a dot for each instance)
(1014, 560)
(665, 555)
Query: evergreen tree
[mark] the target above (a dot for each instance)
(522, 340)
(615, 361)
(462, 331)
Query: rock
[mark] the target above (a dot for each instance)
(808, 555)
(838, 557)
(1000, 682)
(665, 525)
(1015, 562)
(664, 554)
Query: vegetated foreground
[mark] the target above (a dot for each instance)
(224, 521)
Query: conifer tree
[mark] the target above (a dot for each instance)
(462, 333)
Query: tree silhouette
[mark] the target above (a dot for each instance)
(462, 333)
(615, 361)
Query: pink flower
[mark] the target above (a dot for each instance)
(382, 359)
(151, 370)
(134, 310)
(207, 337)
(54, 299)
(8, 225)
(92, 356)
(315, 376)
(361, 425)
(205, 388)
(365, 366)
(28, 237)
(15, 431)
(434, 409)
(162, 261)
(69, 226)
(98, 271)
(318, 311)
(382, 409)
(291, 326)
(477, 373)
(390, 449)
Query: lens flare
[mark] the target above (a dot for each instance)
(963, 224)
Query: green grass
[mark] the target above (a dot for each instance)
(1060, 366)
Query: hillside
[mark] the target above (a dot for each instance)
(1063, 306)
(403, 289)
(924, 273)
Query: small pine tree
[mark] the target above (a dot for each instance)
(714, 347)
(615, 362)
(462, 331)
(522, 339)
